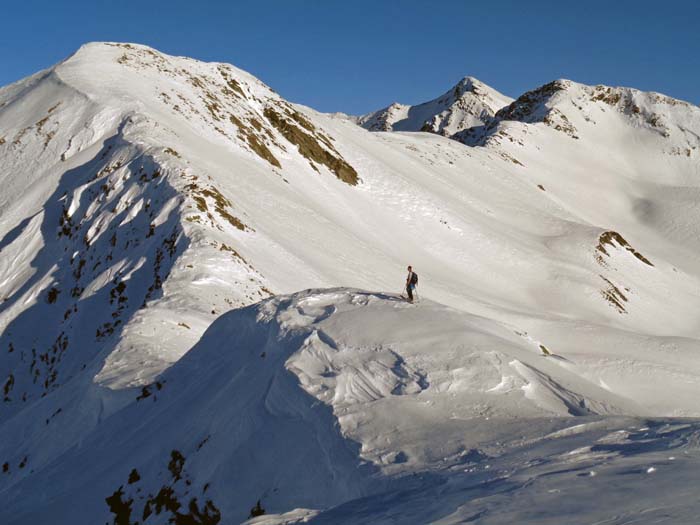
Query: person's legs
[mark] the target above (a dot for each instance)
(409, 289)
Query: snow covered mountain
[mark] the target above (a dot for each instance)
(470, 103)
(150, 202)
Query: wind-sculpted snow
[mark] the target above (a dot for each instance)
(613, 471)
(223, 427)
(150, 203)
(320, 398)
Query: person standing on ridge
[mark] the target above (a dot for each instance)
(411, 282)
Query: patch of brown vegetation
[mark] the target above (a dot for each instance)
(169, 247)
(165, 501)
(48, 137)
(310, 148)
(256, 511)
(110, 168)
(55, 413)
(147, 391)
(39, 125)
(177, 462)
(654, 120)
(120, 507)
(510, 158)
(45, 363)
(609, 238)
(52, 295)
(254, 142)
(614, 296)
(623, 101)
(66, 223)
(78, 272)
(232, 83)
(226, 248)
(221, 203)
(606, 95)
(134, 476)
(262, 150)
(235, 86)
(7, 388)
(202, 443)
(524, 107)
(557, 120)
(18, 138)
(214, 108)
(531, 107)
(213, 104)
(106, 329)
(301, 120)
(256, 124)
(119, 44)
(201, 203)
(304, 122)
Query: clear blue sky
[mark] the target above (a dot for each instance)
(357, 55)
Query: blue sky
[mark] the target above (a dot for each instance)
(356, 56)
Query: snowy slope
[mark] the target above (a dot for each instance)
(146, 195)
(239, 419)
(469, 103)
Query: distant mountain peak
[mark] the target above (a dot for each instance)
(468, 103)
(567, 106)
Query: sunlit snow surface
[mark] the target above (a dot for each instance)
(150, 203)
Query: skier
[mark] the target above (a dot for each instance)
(411, 282)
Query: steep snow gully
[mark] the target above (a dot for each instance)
(158, 363)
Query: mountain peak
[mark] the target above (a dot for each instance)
(469, 83)
(468, 103)
(126, 71)
(567, 106)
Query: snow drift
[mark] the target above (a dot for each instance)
(311, 400)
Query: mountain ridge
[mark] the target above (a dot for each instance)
(468, 103)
